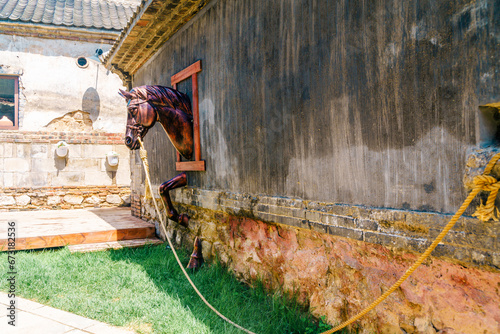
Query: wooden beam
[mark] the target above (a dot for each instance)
(59, 240)
(169, 24)
(58, 32)
(186, 73)
(196, 117)
(190, 166)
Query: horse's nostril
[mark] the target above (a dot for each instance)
(128, 141)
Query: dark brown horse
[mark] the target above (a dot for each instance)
(148, 104)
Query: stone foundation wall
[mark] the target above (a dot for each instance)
(67, 197)
(470, 242)
(340, 258)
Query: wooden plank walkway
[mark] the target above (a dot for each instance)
(56, 228)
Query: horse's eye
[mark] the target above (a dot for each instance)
(132, 111)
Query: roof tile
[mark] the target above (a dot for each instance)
(19, 9)
(29, 10)
(68, 12)
(39, 10)
(8, 8)
(48, 14)
(78, 13)
(59, 12)
(87, 13)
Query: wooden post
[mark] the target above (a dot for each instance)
(196, 119)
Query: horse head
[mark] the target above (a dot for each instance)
(141, 116)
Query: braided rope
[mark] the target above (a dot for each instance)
(482, 182)
(487, 210)
(144, 157)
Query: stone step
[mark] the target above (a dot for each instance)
(114, 245)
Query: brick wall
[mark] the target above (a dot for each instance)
(135, 205)
(54, 137)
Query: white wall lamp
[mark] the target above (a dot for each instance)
(112, 158)
(62, 149)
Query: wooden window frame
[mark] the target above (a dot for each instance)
(191, 72)
(16, 102)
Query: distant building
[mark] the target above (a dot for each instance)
(53, 88)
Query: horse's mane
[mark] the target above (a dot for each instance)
(161, 96)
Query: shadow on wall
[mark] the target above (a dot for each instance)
(91, 103)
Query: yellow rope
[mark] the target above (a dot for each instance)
(144, 156)
(484, 212)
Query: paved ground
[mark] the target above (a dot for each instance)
(35, 318)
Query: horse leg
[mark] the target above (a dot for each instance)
(176, 182)
(183, 219)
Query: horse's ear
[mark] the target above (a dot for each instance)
(126, 95)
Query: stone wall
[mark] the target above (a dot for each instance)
(28, 159)
(33, 177)
(341, 258)
(470, 243)
(63, 197)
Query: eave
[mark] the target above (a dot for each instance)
(100, 36)
(154, 22)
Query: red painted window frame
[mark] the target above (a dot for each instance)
(16, 102)
(191, 72)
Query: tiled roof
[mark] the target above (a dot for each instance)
(100, 14)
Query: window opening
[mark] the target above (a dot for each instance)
(82, 62)
(9, 104)
(191, 72)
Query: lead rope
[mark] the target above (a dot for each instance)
(144, 157)
(483, 212)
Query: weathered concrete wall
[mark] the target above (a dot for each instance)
(52, 85)
(358, 102)
(33, 177)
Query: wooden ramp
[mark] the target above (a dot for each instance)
(96, 228)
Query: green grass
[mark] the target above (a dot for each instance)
(143, 289)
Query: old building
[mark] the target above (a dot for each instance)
(338, 138)
(54, 92)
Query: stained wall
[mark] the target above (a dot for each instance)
(359, 102)
(52, 84)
